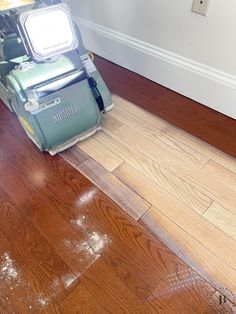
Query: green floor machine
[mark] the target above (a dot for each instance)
(46, 75)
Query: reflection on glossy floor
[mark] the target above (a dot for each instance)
(65, 247)
(190, 186)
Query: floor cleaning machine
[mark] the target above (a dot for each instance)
(46, 75)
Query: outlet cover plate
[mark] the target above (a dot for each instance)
(200, 7)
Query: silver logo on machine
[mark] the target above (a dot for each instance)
(64, 113)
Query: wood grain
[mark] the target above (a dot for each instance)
(156, 134)
(140, 113)
(81, 301)
(222, 218)
(118, 299)
(181, 215)
(109, 123)
(115, 189)
(24, 254)
(221, 174)
(109, 291)
(211, 152)
(173, 184)
(198, 178)
(176, 135)
(101, 154)
(74, 156)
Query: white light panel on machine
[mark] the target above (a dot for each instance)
(48, 32)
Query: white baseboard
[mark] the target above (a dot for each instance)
(197, 81)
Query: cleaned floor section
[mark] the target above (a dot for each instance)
(189, 185)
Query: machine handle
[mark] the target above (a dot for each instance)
(97, 95)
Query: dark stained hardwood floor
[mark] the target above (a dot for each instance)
(65, 247)
(196, 119)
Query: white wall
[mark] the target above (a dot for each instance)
(191, 48)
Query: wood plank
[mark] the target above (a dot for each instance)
(100, 153)
(192, 251)
(81, 301)
(74, 156)
(157, 135)
(155, 151)
(197, 178)
(221, 174)
(181, 215)
(222, 219)
(176, 134)
(108, 291)
(109, 123)
(115, 189)
(211, 152)
(138, 112)
(36, 171)
(173, 184)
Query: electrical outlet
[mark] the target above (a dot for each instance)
(200, 6)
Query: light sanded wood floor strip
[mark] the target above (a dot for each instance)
(198, 178)
(178, 135)
(199, 228)
(162, 141)
(161, 176)
(140, 161)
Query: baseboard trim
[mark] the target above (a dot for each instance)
(206, 85)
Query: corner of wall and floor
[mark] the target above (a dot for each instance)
(167, 44)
